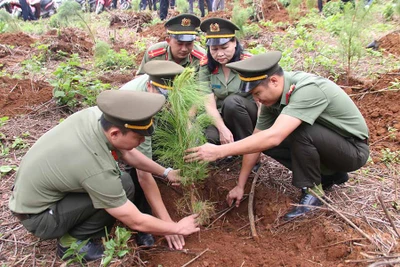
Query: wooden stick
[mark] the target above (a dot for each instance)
(388, 215)
(344, 217)
(340, 242)
(377, 91)
(250, 206)
(195, 258)
(385, 263)
(225, 212)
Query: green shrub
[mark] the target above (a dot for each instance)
(108, 59)
(75, 87)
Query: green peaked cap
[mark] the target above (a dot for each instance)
(130, 109)
(218, 31)
(183, 27)
(252, 71)
(162, 72)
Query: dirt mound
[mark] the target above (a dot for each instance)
(130, 20)
(391, 43)
(273, 10)
(381, 110)
(16, 39)
(117, 79)
(22, 96)
(69, 41)
(155, 30)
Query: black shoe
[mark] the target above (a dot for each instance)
(328, 181)
(94, 251)
(307, 199)
(256, 167)
(144, 239)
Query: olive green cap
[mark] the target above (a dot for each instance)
(252, 71)
(130, 109)
(183, 27)
(218, 31)
(162, 73)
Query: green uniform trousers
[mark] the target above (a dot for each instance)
(311, 148)
(75, 214)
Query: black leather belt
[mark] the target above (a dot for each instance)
(22, 217)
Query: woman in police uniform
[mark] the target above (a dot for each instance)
(234, 113)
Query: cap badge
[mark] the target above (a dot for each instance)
(186, 22)
(214, 27)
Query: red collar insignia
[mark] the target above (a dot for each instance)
(292, 87)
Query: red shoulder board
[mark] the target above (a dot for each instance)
(157, 52)
(197, 54)
(244, 56)
(204, 61)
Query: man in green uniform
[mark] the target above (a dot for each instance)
(179, 45)
(69, 185)
(307, 123)
(158, 79)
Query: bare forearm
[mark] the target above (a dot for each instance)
(153, 195)
(138, 160)
(248, 163)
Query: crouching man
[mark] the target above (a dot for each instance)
(307, 123)
(69, 185)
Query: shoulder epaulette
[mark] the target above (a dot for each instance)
(198, 54)
(204, 61)
(157, 52)
(244, 56)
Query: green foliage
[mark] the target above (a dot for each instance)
(258, 49)
(176, 131)
(351, 37)
(116, 247)
(75, 87)
(8, 23)
(252, 30)
(388, 11)
(70, 14)
(135, 5)
(389, 156)
(294, 8)
(397, 7)
(19, 143)
(108, 59)
(395, 84)
(73, 253)
(5, 169)
(182, 6)
(153, 22)
(3, 121)
(284, 3)
(240, 16)
(332, 8)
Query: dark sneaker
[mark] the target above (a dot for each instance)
(93, 251)
(256, 167)
(307, 199)
(328, 181)
(144, 239)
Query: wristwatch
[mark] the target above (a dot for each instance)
(165, 174)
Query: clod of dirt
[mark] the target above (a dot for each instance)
(130, 20)
(391, 43)
(22, 96)
(16, 39)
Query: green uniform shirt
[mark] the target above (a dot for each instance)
(215, 83)
(316, 99)
(162, 51)
(139, 84)
(73, 157)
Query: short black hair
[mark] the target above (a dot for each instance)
(279, 72)
(106, 125)
(212, 64)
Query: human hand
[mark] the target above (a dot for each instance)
(235, 194)
(188, 225)
(175, 241)
(206, 152)
(225, 135)
(174, 177)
